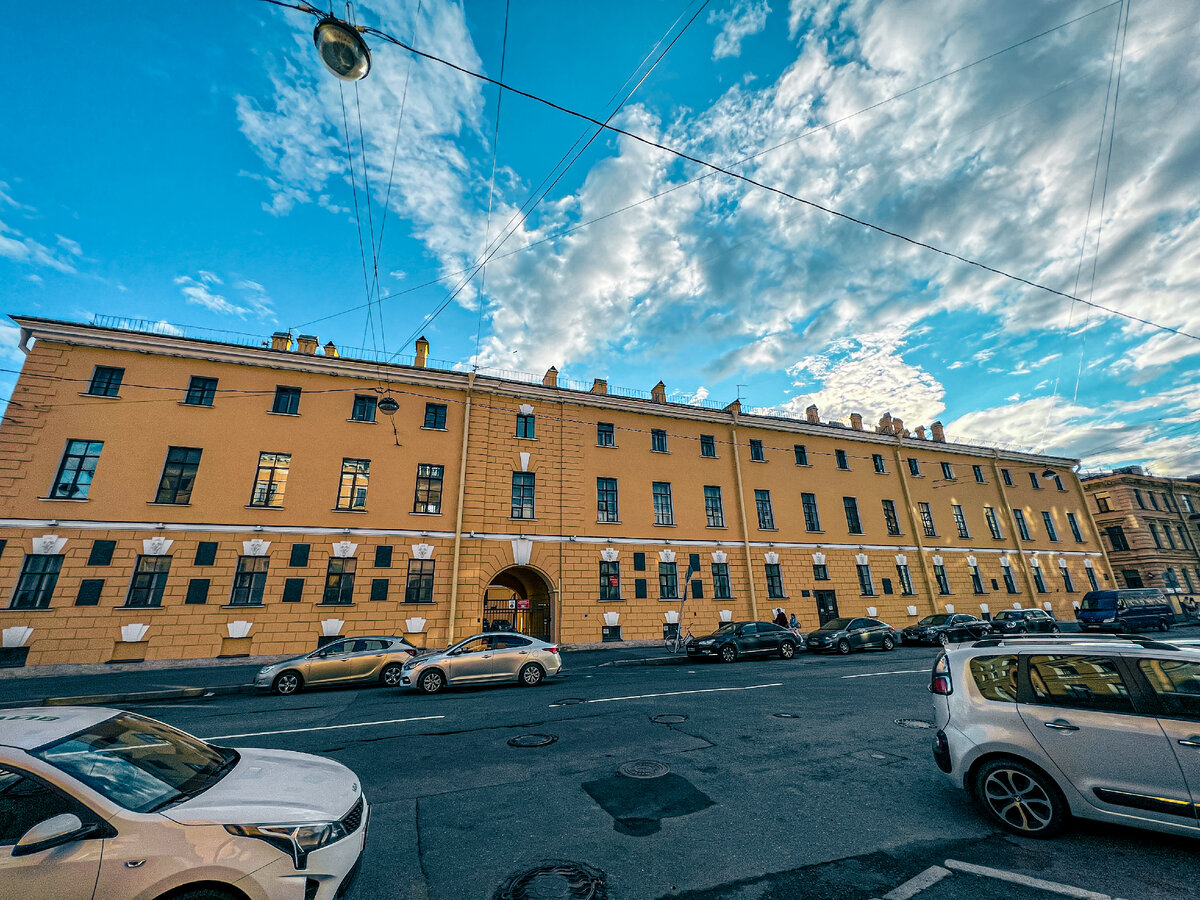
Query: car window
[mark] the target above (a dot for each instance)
(1079, 682)
(476, 645)
(939, 619)
(996, 677)
(366, 646)
(836, 624)
(508, 641)
(337, 647)
(748, 628)
(26, 801)
(860, 623)
(1176, 683)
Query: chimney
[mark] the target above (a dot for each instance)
(281, 340)
(422, 352)
(898, 426)
(885, 424)
(811, 415)
(550, 379)
(658, 393)
(939, 433)
(921, 433)
(735, 407)
(331, 349)
(307, 343)
(599, 386)
(856, 421)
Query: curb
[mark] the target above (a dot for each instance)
(652, 661)
(134, 696)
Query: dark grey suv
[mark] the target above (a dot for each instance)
(735, 639)
(845, 635)
(1024, 621)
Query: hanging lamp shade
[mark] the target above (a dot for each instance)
(342, 49)
(388, 406)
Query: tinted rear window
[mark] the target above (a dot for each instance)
(996, 677)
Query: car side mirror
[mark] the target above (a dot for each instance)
(53, 832)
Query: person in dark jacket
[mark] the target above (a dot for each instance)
(781, 618)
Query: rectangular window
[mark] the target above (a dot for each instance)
(249, 581)
(658, 440)
(526, 426)
(201, 391)
(91, 588)
(947, 471)
(960, 521)
(610, 580)
(708, 446)
(418, 588)
(1137, 495)
(352, 490)
(1116, 535)
(1039, 579)
(287, 401)
(1022, 525)
(976, 580)
(866, 586)
(1010, 583)
(978, 472)
(1102, 503)
(1006, 477)
(889, 517)
(1170, 578)
(1066, 577)
(756, 451)
(363, 409)
(149, 580)
(801, 452)
(775, 582)
(853, 523)
(721, 588)
(427, 496)
(179, 475)
(668, 581)
(206, 553)
(812, 521)
(1154, 534)
(714, 509)
(1170, 537)
(379, 589)
(1092, 580)
(1058, 483)
(383, 556)
(606, 500)
(270, 479)
(926, 519)
(1167, 503)
(1033, 480)
(639, 562)
(840, 457)
(1187, 504)
(76, 471)
(877, 462)
(1187, 580)
(435, 416)
(993, 523)
(766, 514)
(339, 581)
(101, 553)
(605, 435)
(523, 484)
(906, 585)
(1074, 523)
(914, 467)
(1183, 541)
(293, 590)
(1048, 521)
(639, 588)
(106, 381)
(664, 511)
(820, 572)
(197, 591)
(1153, 500)
(299, 555)
(943, 583)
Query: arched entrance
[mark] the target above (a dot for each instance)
(519, 598)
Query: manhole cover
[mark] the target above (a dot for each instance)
(785, 715)
(555, 881)
(531, 740)
(669, 719)
(914, 723)
(643, 768)
(568, 701)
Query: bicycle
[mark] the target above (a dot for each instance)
(678, 641)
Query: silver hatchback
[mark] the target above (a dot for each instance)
(372, 659)
(482, 659)
(1040, 728)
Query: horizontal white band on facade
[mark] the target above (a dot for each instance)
(506, 537)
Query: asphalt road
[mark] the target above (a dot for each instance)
(786, 779)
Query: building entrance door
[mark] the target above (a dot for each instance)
(519, 599)
(826, 605)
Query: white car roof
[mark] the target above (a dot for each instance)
(30, 727)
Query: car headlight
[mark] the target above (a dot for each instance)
(1109, 619)
(705, 644)
(267, 670)
(295, 840)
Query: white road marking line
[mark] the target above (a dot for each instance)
(229, 737)
(917, 883)
(1052, 887)
(897, 672)
(751, 687)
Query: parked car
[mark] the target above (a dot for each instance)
(846, 634)
(1041, 728)
(944, 628)
(483, 659)
(734, 639)
(1024, 621)
(1125, 610)
(373, 659)
(102, 803)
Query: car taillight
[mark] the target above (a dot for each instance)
(551, 649)
(941, 683)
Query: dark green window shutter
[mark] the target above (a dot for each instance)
(3, 544)
(639, 562)
(89, 592)
(197, 591)
(694, 562)
(102, 553)
(697, 589)
(379, 588)
(206, 553)
(293, 588)
(383, 556)
(639, 588)
(299, 555)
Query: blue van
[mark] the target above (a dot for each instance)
(1125, 611)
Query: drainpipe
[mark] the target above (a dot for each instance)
(737, 468)
(458, 514)
(1012, 524)
(917, 529)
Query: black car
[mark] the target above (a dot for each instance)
(844, 635)
(734, 639)
(1024, 621)
(945, 628)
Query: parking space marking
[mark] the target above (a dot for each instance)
(897, 672)
(1052, 887)
(752, 687)
(230, 737)
(917, 883)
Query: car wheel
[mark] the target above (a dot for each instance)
(531, 675)
(843, 646)
(390, 675)
(787, 650)
(944, 639)
(1020, 798)
(286, 683)
(204, 893)
(1163, 625)
(728, 653)
(1054, 629)
(888, 643)
(432, 681)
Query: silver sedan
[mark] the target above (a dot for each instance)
(372, 659)
(483, 659)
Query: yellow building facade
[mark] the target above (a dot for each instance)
(164, 497)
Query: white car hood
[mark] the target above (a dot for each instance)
(269, 787)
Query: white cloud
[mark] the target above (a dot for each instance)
(199, 292)
(739, 21)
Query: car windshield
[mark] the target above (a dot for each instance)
(1090, 602)
(726, 628)
(141, 764)
(934, 620)
(835, 625)
(1007, 614)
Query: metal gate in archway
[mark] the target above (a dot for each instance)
(519, 599)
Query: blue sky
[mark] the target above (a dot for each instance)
(188, 164)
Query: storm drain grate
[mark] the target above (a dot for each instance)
(914, 723)
(531, 740)
(568, 701)
(555, 880)
(643, 768)
(669, 719)
(785, 715)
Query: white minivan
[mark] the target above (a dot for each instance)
(103, 804)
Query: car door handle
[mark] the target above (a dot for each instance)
(1193, 741)
(1062, 725)
(524, 652)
